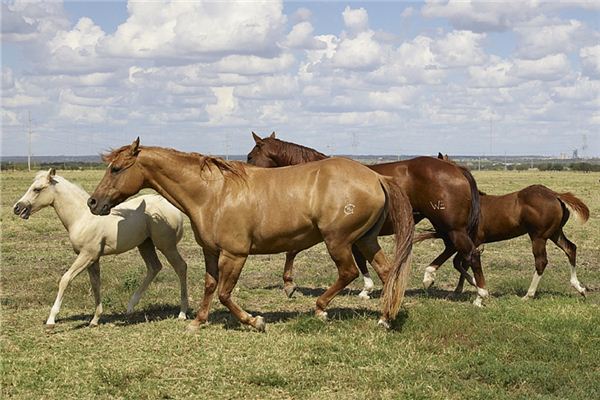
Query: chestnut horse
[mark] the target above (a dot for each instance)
(537, 211)
(237, 209)
(442, 192)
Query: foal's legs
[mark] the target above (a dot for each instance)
(289, 287)
(180, 267)
(571, 251)
(361, 263)
(153, 265)
(230, 267)
(211, 280)
(467, 251)
(541, 260)
(429, 276)
(94, 272)
(83, 261)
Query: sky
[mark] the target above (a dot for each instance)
(461, 77)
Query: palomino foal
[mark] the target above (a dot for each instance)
(146, 222)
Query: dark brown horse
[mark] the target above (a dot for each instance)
(537, 211)
(442, 192)
(237, 209)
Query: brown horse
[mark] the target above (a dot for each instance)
(442, 192)
(236, 209)
(537, 211)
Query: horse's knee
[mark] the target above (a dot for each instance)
(224, 297)
(349, 274)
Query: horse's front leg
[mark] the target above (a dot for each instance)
(230, 267)
(82, 262)
(289, 287)
(211, 281)
(94, 273)
(430, 271)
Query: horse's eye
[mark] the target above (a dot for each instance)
(115, 170)
(37, 190)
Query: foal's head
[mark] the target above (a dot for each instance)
(122, 179)
(39, 195)
(263, 153)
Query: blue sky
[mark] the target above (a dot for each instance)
(343, 77)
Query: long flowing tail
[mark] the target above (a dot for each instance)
(576, 206)
(425, 236)
(473, 222)
(400, 212)
(474, 213)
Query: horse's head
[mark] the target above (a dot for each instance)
(122, 179)
(264, 152)
(39, 195)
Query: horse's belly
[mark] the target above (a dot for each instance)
(282, 243)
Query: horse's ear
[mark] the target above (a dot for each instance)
(446, 158)
(272, 135)
(51, 173)
(134, 149)
(257, 138)
(440, 156)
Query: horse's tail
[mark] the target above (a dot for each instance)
(425, 236)
(576, 206)
(474, 211)
(400, 213)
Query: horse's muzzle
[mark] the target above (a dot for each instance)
(98, 207)
(22, 210)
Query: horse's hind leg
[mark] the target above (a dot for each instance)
(347, 272)
(180, 267)
(361, 263)
(289, 287)
(94, 273)
(153, 265)
(570, 250)
(541, 261)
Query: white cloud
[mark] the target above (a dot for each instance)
(225, 106)
(32, 20)
(360, 53)
(301, 37)
(590, 61)
(357, 19)
(481, 16)
(254, 65)
(497, 73)
(549, 68)
(542, 37)
(460, 48)
(197, 30)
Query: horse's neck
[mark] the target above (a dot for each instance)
(70, 203)
(163, 172)
(298, 155)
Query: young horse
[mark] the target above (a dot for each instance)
(237, 209)
(536, 210)
(145, 222)
(442, 192)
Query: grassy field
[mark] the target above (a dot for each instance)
(442, 348)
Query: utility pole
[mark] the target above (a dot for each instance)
(227, 146)
(29, 142)
(491, 136)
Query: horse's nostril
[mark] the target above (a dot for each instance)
(16, 209)
(91, 202)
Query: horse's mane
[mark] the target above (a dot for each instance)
(233, 167)
(296, 153)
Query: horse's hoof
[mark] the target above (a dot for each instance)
(383, 324)
(49, 328)
(93, 324)
(322, 315)
(427, 283)
(182, 316)
(259, 324)
(195, 326)
(526, 297)
(478, 302)
(364, 295)
(583, 293)
(289, 291)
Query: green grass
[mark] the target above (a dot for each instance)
(443, 347)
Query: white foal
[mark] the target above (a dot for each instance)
(148, 222)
